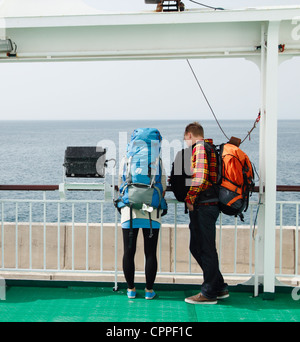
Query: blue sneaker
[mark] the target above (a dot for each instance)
(131, 294)
(150, 295)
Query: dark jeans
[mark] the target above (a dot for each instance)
(203, 248)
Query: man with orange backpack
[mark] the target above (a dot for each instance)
(202, 202)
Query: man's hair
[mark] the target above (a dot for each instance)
(195, 128)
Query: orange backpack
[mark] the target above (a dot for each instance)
(236, 180)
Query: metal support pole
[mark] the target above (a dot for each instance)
(259, 238)
(270, 158)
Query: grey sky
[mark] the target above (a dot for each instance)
(144, 89)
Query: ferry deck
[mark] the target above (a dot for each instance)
(73, 302)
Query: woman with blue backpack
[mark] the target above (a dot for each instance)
(142, 185)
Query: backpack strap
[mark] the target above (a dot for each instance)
(151, 229)
(186, 211)
(157, 165)
(208, 154)
(131, 228)
(128, 171)
(208, 149)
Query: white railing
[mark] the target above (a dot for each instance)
(31, 242)
(288, 246)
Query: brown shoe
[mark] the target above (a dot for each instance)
(223, 294)
(200, 299)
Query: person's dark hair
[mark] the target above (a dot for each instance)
(195, 128)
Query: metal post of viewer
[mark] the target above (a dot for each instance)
(2, 289)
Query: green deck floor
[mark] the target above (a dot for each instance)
(101, 304)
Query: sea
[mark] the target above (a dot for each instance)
(32, 152)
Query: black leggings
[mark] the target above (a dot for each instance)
(150, 247)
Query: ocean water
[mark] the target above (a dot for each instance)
(32, 152)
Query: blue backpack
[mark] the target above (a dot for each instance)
(141, 186)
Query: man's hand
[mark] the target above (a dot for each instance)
(190, 207)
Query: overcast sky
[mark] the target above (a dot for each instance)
(144, 89)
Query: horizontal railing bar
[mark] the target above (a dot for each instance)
(288, 188)
(29, 187)
(169, 200)
(50, 201)
(287, 275)
(193, 274)
(120, 272)
(55, 271)
(280, 188)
